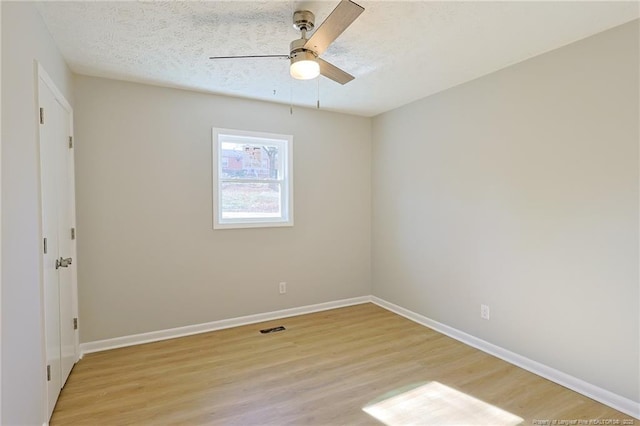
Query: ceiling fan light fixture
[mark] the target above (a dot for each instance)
(304, 65)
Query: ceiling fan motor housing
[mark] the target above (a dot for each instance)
(303, 20)
(297, 48)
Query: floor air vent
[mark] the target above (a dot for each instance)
(272, 330)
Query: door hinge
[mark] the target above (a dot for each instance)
(70, 141)
(73, 233)
(48, 373)
(75, 323)
(41, 115)
(44, 244)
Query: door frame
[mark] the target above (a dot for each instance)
(42, 77)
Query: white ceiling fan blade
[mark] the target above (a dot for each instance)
(250, 57)
(340, 18)
(333, 72)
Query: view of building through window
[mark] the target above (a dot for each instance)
(250, 185)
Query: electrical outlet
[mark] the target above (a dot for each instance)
(283, 287)
(484, 312)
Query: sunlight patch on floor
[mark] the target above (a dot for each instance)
(436, 404)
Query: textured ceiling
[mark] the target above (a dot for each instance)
(398, 51)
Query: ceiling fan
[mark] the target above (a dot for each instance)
(304, 53)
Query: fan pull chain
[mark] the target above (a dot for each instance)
(318, 102)
(293, 11)
(291, 96)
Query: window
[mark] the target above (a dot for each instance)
(252, 179)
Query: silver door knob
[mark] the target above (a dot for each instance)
(63, 263)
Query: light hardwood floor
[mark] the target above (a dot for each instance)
(323, 370)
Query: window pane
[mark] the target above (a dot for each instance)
(241, 200)
(252, 179)
(250, 161)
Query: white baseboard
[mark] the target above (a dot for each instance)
(172, 333)
(604, 396)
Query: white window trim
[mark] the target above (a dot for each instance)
(287, 181)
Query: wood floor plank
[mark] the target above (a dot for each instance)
(323, 370)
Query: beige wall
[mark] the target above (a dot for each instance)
(24, 39)
(148, 257)
(520, 190)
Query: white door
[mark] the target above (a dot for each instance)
(66, 246)
(58, 216)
